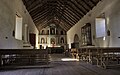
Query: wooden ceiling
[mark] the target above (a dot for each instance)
(64, 13)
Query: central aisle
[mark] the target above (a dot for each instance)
(64, 68)
(60, 57)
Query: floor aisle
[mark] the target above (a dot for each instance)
(64, 68)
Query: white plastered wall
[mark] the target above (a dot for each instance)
(8, 9)
(112, 15)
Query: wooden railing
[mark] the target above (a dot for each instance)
(101, 56)
(23, 57)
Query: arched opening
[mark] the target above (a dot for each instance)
(52, 42)
(43, 32)
(62, 32)
(52, 31)
(62, 40)
(76, 41)
(42, 40)
(48, 32)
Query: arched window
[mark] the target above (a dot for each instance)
(47, 32)
(52, 31)
(43, 32)
(76, 38)
(42, 40)
(76, 41)
(62, 40)
(52, 41)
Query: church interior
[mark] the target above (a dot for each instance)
(59, 37)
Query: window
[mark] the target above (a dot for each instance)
(100, 27)
(86, 35)
(18, 27)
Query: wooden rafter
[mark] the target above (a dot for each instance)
(68, 12)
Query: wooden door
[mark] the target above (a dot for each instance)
(32, 39)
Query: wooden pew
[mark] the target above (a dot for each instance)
(109, 57)
(74, 53)
(23, 57)
(101, 56)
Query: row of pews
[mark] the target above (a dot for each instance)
(23, 57)
(105, 57)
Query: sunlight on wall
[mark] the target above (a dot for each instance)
(18, 28)
(100, 27)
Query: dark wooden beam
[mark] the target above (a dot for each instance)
(41, 15)
(44, 24)
(68, 7)
(71, 14)
(93, 2)
(66, 16)
(87, 4)
(72, 17)
(69, 17)
(64, 20)
(81, 5)
(36, 5)
(64, 27)
(38, 10)
(42, 20)
(76, 7)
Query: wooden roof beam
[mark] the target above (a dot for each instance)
(42, 19)
(64, 19)
(68, 7)
(87, 4)
(67, 25)
(81, 5)
(36, 5)
(67, 16)
(41, 15)
(76, 7)
(73, 17)
(44, 24)
(93, 2)
(68, 13)
(38, 10)
(78, 16)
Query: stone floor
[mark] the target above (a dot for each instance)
(58, 67)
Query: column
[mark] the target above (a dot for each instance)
(26, 33)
